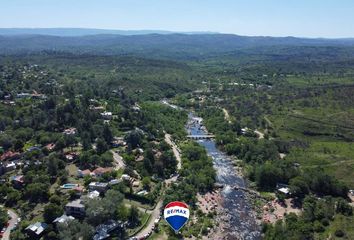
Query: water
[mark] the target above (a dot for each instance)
(237, 214)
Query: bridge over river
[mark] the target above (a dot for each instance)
(201, 136)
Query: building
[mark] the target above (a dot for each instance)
(98, 186)
(98, 172)
(75, 208)
(35, 231)
(283, 188)
(23, 95)
(107, 115)
(17, 181)
(83, 173)
(70, 131)
(10, 167)
(9, 155)
(50, 146)
(118, 142)
(103, 231)
(63, 219)
(93, 194)
(115, 182)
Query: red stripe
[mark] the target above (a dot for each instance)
(176, 204)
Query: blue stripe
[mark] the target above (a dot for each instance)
(176, 222)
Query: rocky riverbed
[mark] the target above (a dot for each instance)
(236, 218)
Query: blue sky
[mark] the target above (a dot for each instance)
(302, 18)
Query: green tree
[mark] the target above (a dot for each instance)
(3, 217)
(75, 230)
(51, 212)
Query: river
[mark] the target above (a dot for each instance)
(237, 214)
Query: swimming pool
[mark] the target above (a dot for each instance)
(69, 186)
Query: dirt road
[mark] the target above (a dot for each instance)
(118, 160)
(227, 115)
(260, 134)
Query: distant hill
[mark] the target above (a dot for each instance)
(75, 32)
(178, 46)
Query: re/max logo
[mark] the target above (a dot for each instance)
(172, 211)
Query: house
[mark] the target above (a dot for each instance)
(143, 192)
(70, 131)
(126, 177)
(98, 186)
(93, 194)
(35, 231)
(136, 183)
(283, 188)
(9, 155)
(114, 182)
(10, 167)
(63, 219)
(97, 109)
(139, 158)
(23, 95)
(75, 208)
(78, 190)
(38, 96)
(50, 146)
(107, 115)
(98, 172)
(71, 156)
(103, 231)
(118, 142)
(84, 173)
(17, 181)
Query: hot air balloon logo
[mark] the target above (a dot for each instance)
(176, 215)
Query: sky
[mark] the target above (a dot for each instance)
(300, 18)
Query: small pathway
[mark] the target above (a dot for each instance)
(175, 150)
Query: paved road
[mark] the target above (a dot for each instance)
(175, 149)
(154, 214)
(12, 224)
(118, 160)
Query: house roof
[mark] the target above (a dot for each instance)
(98, 184)
(8, 155)
(50, 146)
(76, 204)
(62, 219)
(37, 228)
(101, 170)
(85, 172)
(93, 194)
(18, 178)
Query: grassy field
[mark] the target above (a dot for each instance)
(328, 135)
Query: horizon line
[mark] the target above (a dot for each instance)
(162, 31)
